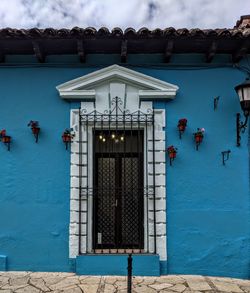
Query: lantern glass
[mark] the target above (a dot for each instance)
(243, 91)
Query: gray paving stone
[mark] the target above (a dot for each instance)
(172, 279)
(227, 286)
(89, 288)
(109, 288)
(198, 285)
(28, 289)
(28, 282)
(179, 288)
(72, 289)
(64, 283)
(160, 286)
(144, 288)
(3, 280)
(40, 284)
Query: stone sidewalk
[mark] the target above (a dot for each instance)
(29, 282)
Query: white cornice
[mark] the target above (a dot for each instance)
(74, 89)
(77, 94)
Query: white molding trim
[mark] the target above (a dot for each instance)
(156, 94)
(160, 190)
(78, 94)
(137, 91)
(148, 86)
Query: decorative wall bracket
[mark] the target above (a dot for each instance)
(6, 139)
(198, 137)
(216, 102)
(225, 156)
(172, 151)
(182, 124)
(34, 125)
(240, 128)
(67, 137)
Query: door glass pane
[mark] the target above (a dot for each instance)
(106, 202)
(130, 208)
(118, 189)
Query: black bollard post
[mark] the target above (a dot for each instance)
(130, 260)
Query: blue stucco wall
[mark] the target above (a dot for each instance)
(208, 204)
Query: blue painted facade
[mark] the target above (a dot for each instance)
(208, 204)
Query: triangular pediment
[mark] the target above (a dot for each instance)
(85, 87)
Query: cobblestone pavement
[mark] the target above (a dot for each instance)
(28, 282)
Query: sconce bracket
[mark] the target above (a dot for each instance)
(225, 156)
(240, 128)
(216, 101)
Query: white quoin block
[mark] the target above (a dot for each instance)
(160, 229)
(159, 145)
(73, 248)
(160, 157)
(74, 159)
(160, 168)
(160, 191)
(159, 135)
(74, 193)
(74, 217)
(74, 205)
(74, 229)
(75, 182)
(159, 180)
(74, 170)
(159, 215)
(75, 147)
(160, 204)
(160, 118)
(151, 244)
(83, 244)
(161, 244)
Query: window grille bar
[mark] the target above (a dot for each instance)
(80, 182)
(154, 181)
(134, 190)
(87, 187)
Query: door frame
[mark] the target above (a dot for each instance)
(118, 174)
(86, 238)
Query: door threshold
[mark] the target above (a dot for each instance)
(118, 251)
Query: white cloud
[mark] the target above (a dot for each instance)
(113, 13)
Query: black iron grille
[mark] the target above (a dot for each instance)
(119, 188)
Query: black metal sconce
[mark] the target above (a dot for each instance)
(243, 91)
(216, 101)
(182, 124)
(240, 128)
(67, 137)
(172, 151)
(6, 139)
(34, 125)
(225, 156)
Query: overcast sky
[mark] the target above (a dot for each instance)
(122, 13)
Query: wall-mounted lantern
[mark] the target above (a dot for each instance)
(172, 151)
(182, 124)
(198, 137)
(34, 125)
(243, 91)
(6, 139)
(67, 137)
